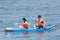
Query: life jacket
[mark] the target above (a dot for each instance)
(40, 22)
(25, 25)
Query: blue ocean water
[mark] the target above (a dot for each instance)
(12, 11)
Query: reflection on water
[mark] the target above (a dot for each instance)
(23, 34)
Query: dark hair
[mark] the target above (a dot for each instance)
(24, 19)
(39, 15)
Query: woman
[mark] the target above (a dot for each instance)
(25, 24)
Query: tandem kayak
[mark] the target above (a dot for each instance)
(12, 29)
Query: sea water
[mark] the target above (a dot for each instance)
(12, 12)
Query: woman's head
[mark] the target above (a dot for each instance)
(24, 19)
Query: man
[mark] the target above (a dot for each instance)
(41, 22)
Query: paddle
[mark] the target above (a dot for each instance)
(30, 17)
(27, 16)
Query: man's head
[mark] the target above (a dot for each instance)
(24, 19)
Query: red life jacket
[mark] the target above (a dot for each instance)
(25, 25)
